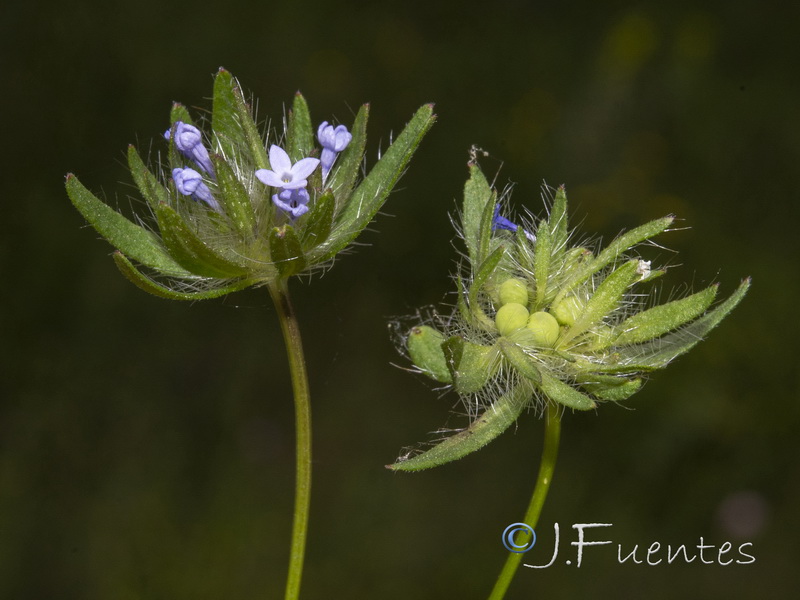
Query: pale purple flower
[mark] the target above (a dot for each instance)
(294, 202)
(284, 174)
(333, 140)
(189, 142)
(189, 182)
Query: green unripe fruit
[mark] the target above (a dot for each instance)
(514, 290)
(568, 310)
(544, 327)
(511, 317)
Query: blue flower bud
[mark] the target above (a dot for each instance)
(189, 142)
(190, 183)
(333, 140)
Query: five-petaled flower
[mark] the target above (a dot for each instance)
(189, 142)
(333, 140)
(284, 174)
(189, 182)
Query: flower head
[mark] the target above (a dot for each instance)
(254, 235)
(189, 142)
(538, 321)
(284, 174)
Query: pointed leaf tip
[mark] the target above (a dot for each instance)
(494, 421)
(133, 240)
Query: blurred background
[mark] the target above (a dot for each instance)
(146, 446)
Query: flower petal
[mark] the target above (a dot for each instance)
(304, 167)
(279, 160)
(269, 178)
(321, 132)
(342, 138)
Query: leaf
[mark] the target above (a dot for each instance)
(370, 195)
(192, 252)
(254, 141)
(477, 194)
(518, 359)
(235, 199)
(318, 223)
(659, 352)
(481, 278)
(285, 251)
(560, 392)
(175, 158)
(179, 113)
(605, 299)
(487, 221)
(425, 349)
(614, 393)
(131, 239)
(557, 224)
(348, 163)
(524, 253)
(541, 263)
(299, 134)
(613, 251)
(614, 364)
(494, 421)
(629, 239)
(151, 287)
(148, 184)
(232, 123)
(471, 365)
(659, 320)
(461, 303)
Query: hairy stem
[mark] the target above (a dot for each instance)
(552, 434)
(279, 291)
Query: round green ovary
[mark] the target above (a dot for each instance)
(544, 327)
(511, 317)
(513, 291)
(568, 310)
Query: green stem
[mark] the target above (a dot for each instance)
(552, 434)
(279, 291)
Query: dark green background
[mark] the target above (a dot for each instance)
(147, 446)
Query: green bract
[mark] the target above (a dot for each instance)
(188, 251)
(538, 320)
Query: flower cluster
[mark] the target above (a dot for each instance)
(539, 321)
(230, 214)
